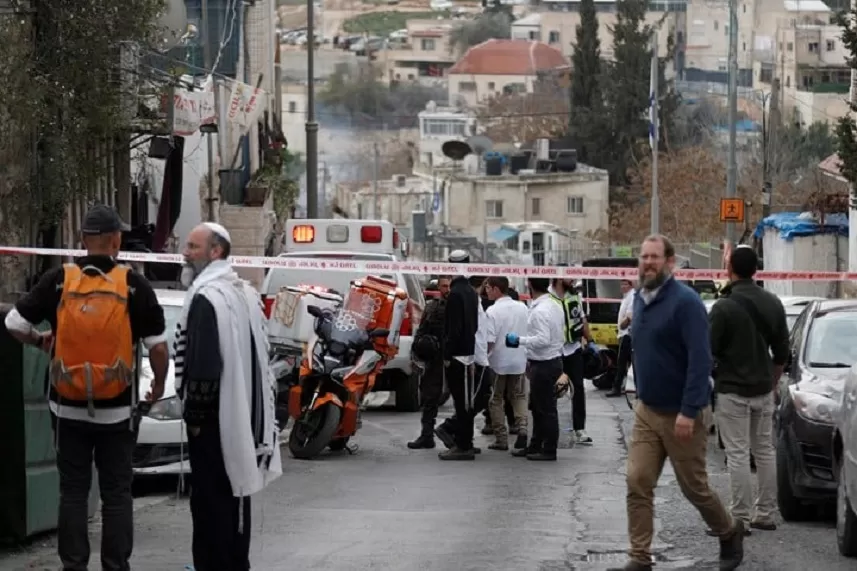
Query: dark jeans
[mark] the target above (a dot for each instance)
(623, 361)
(111, 446)
(221, 540)
(466, 408)
(543, 376)
(431, 391)
(572, 365)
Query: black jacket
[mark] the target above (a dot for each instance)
(462, 319)
(742, 354)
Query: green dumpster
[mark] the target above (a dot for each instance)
(29, 481)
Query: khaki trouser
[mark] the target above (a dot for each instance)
(746, 424)
(513, 388)
(652, 442)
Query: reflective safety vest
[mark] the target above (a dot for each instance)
(573, 310)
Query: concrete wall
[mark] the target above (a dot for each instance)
(249, 228)
(467, 201)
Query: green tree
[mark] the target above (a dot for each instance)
(846, 128)
(70, 83)
(588, 124)
(489, 25)
(586, 59)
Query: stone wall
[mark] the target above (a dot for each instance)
(249, 227)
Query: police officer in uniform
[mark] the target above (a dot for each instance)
(575, 330)
(428, 348)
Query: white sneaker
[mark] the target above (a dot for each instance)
(582, 437)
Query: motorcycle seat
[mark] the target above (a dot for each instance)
(338, 374)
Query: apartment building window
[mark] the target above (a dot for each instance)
(443, 127)
(293, 107)
(574, 205)
(493, 209)
(766, 75)
(790, 47)
(534, 35)
(744, 8)
(467, 86)
(726, 30)
(490, 86)
(788, 81)
(744, 46)
(553, 38)
(716, 25)
(427, 45)
(831, 45)
(536, 208)
(813, 47)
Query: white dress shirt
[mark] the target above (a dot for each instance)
(545, 330)
(625, 309)
(484, 334)
(507, 316)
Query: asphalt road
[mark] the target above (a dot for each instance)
(388, 508)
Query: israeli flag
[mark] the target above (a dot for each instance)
(653, 104)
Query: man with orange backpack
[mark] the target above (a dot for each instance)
(98, 311)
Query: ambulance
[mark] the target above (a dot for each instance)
(364, 240)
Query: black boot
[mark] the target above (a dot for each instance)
(423, 442)
(614, 393)
(732, 548)
(521, 441)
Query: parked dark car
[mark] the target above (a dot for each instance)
(823, 348)
(845, 468)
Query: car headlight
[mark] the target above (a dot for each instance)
(814, 406)
(167, 409)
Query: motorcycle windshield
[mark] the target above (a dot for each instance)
(349, 326)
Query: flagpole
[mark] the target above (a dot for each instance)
(654, 135)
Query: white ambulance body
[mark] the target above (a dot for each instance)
(345, 239)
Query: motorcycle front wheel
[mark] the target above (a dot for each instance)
(313, 431)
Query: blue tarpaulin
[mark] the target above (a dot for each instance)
(793, 224)
(502, 234)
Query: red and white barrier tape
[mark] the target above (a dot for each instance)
(439, 268)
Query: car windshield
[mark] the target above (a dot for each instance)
(831, 340)
(171, 317)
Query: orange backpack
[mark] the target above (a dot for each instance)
(93, 348)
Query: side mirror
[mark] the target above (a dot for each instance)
(375, 333)
(314, 310)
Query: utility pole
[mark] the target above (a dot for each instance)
(732, 171)
(376, 157)
(773, 125)
(311, 125)
(654, 119)
(206, 54)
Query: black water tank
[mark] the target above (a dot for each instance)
(545, 166)
(566, 161)
(518, 162)
(494, 166)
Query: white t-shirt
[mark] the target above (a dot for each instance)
(625, 309)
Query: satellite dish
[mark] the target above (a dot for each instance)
(480, 144)
(456, 150)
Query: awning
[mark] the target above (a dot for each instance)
(503, 234)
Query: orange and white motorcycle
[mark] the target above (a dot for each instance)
(351, 344)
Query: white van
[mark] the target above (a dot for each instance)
(344, 239)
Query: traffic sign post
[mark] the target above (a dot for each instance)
(732, 210)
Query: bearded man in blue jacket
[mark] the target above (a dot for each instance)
(672, 365)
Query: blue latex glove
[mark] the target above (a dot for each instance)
(512, 340)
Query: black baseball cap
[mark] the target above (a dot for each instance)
(102, 219)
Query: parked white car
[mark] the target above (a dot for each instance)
(159, 442)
